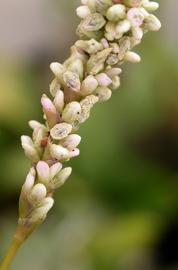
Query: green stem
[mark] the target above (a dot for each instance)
(16, 243)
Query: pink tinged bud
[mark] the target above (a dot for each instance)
(83, 12)
(132, 57)
(59, 101)
(49, 110)
(30, 180)
(103, 79)
(71, 141)
(55, 169)
(43, 171)
(58, 152)
(74, 153)
(135, 16)
(60, 131)
(38, 193)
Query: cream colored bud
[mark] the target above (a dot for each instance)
(54, 87)
(101, 6)
(38, 135)
(88, 85)
(103, 79)
(35, 124)
(71, 112)
(61, 178)
(54, 170)
(123, 26)
(135, 16)
(60, 131)
(57, 69)
(43, 171)
(103, 93)
(150, 6)
(115, 83)
(132, 3)
(76, 66)
(112, 72)
(137, 33)
(72, 80)
(90, 46)
(40, 213)
(132, 57)
(124, 45)
(29, 181)
(37, 194)
(58, 152)
(74, 153)
(29, 148)
(71, 141)
(116, 12)
(93, 22)
(83, 11)
(59, 100)
(49, 111)
(152, 23)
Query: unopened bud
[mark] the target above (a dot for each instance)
(74, 153)
(54, 87)
(150, 6)
(93, 22)
(29, 148)
(60, 131)
(83, 11)
(88, 85)
(112, 72)
(58, 152)
(61, 178)
(103, 79)
(55, 169)
(123, 26)
(132, 57)
(71, 141)
(115, 83)
(39, 214)
(59, 100)
(152, 23)
(49, 111)
(132, 3)
(135, 16)
(116, 12)
(103, 93)
(137, 33)
(72, 80)
(71, 112)
(57, 69)
(43, 171)
(29, 181)
(38, 193)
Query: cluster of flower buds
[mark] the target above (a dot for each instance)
(108, 31)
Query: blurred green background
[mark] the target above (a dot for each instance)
(118, 211)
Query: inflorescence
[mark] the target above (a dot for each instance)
(108, 31)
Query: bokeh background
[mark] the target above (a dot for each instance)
(119, 210)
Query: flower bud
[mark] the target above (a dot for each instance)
(71, 141)
(83, 11)
(35, 124)
(49, 111)
(124, 45)
(110, 31)
(103, 79)
(39, 214)
(59, 101)
(29, 148)
(132, 3)
(37, 194)
(76, 66)
(100, 6)
(137, 33)
(135, 16)
(132, 57)
(103, 93)
(152, 23)
(54, 87)
(60, 178)
(72, 80)
(60, 131)
(71, 112)
(90, 46)
(29, 181)
(88, 85)
(123, 26)
(113, 59)
(116, 12)
(93, 22)
(115, 83)
(54, 170)
(150, 6)
(43, 171)
(112, 72)
(58, 152)
(57, 69)
(74, 153)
